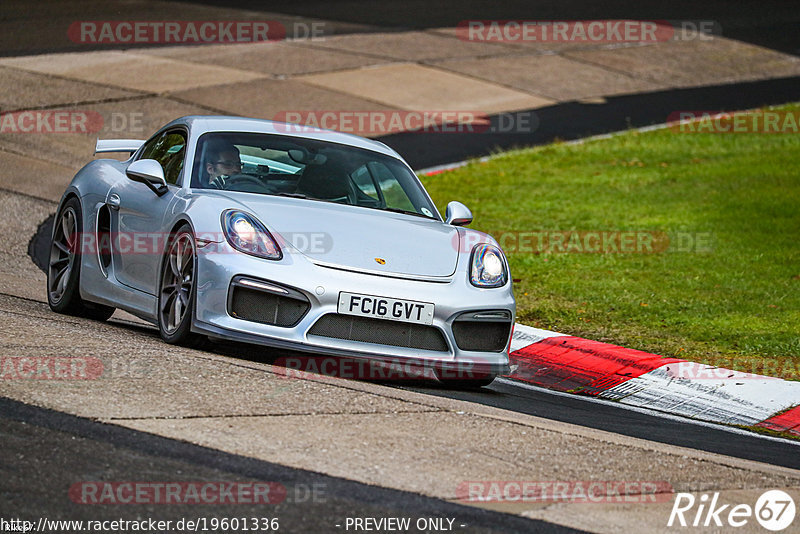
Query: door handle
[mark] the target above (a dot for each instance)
(113, 201)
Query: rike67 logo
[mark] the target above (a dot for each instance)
(774, 510)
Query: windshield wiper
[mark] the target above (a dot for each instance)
(292, 195)
(407, 212)
(393, 210)
(301, 195)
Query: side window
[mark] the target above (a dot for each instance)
(168, 149)
(363, 180)
(393, 193)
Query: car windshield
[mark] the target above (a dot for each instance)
(269, 164)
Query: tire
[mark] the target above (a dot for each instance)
(177, 289)
(64, 267)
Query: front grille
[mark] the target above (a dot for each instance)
(482, 335)
(380, 332)
(266, 308)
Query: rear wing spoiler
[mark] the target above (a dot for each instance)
(117, 145)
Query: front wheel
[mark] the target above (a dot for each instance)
(177, 288)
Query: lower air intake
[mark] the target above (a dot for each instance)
(266, 308)
(379, 332)
(482, 331)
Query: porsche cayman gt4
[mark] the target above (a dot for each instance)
(285, 236)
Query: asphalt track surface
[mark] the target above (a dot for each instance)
(69, 449)
(606, 415)
(598, 414)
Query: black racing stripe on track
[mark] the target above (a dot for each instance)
(575, 120)
(45, 452)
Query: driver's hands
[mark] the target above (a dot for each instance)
(218, 182)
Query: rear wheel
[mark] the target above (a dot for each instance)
(177, 288)
(64, 267)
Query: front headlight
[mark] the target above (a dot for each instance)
(488, 269)
(246, 234)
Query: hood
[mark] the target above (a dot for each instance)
(358, 238)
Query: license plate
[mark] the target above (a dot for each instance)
(407, 311)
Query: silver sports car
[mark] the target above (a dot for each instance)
(285, 236)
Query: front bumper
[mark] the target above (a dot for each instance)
(321, 286)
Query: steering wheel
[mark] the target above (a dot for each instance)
(242, 179)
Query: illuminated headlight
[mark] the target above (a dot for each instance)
(488, 269)
(246, 234)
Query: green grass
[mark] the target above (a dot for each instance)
(734, 303)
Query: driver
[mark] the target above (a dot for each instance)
(223, 162)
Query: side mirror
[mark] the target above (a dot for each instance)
(150, 173)
(457, 214)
